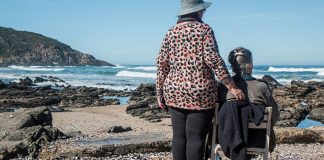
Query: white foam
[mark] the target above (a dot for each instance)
(258, 76)
(145, 68)
(320, 73)
(116, 66)
(314, 79)
(11, 76)
(36, 68)
(90, 84)
(275, 69)
(135, 74)
(119, 87)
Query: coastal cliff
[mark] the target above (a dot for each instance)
(28, 48)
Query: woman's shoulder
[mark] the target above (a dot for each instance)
(202, 26)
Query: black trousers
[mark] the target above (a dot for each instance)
(190, 128)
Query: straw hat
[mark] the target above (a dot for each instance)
(191, 6)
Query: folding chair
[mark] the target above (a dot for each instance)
(265, 124)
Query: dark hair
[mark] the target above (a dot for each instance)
(241, 66)
(190, 17)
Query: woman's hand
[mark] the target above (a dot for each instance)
(161, 103)
(238, 94)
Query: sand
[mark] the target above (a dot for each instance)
(94, 121)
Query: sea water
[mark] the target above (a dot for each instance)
(129, 77)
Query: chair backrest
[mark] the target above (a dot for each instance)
(265, 124)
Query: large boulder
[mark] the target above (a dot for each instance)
(143, 104)
(271, 82)
(25, 131)
(142, 92)
(298, 135)
(147, 109)
(317, 114)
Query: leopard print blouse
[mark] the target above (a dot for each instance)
(187, 63)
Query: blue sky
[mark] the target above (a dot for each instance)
(278, 32)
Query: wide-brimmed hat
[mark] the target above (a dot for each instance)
(191, 6)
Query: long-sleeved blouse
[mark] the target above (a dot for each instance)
(186, 67)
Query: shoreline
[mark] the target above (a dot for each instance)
(93, 121)
(90, 121)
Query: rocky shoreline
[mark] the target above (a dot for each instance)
(62, 121)
(25, 94)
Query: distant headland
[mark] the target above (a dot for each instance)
(32, 49)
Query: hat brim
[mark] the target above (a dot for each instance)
(194, 9)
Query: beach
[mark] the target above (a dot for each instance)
(46, 113)
(93, 121)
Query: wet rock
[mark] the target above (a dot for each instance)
(271, 82)
(291, 117)
(39, 80)
(142, 92)
(316, 84)
(147, 109)
(118, 129)
(22, 95)
(26, 81)
(293, 135)
(2, 85)
(25, 131)
(295, 101)
(105, 102)
(317, 114)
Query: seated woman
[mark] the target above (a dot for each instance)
(256, 91)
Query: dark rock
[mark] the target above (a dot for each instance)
(2, 85)
(26, 81)
(143, 91)
(271, 82)
(25, 131)
(39, 80)
(118, 129)
(143, 103)
(290, 117)
(17, 95)
(14, 85)
(147, 109)
(27, 48)
(316, 84)
(105, 102)
(317, 114)
(295, 101)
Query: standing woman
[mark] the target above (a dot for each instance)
(187, 64)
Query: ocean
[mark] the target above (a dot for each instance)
(131, 76)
